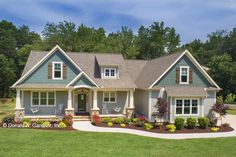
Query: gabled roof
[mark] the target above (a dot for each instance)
(109, 59)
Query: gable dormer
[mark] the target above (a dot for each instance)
(109, 72)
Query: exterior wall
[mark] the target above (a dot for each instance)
(83, 81)
(120, 102)
(40, 75)
(61, 98)
(209, 102)
(141, 102)
(170, 78)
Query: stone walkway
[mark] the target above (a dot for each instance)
(87, 126)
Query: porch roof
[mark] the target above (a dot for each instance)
(186, 91)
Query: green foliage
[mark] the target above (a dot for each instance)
(127, 120)
(214, 129)
(148, 126)
(26, 120)
(109, 124)
(39, 121)
(46, 124)
(203, 122)
(118, 120)
(8, 119)
(191, 122)
(122, 125)
(61, 125)
(26, 124)
(179, 123)
(230, 98)
(220, 99)
(171, 128)
(106, 119)
(68, 120)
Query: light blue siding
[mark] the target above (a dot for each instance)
(40, 75)
(83, 81)
(61, 98)
(170, 78)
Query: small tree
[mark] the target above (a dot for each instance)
(220, 108)
(161, 107)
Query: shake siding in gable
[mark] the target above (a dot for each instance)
(40, 75)
(170, 78)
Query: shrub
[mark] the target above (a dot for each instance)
(39, 121)
(135, 120)
(191, 122)
(203, 122)
(225, 125)
(61, 125)
(220, 99)
(127, 120)
(148, 126)
(214, 129)
(8, 119)
(106, 119)
(68, 120)
(26, 120)
(179, 123)
(118, 120)
(96, 119)
(122, 125)
(26, 124)
(46, 124)
(171, 128)
(230, 98)
(109, 124)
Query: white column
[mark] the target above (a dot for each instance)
(171, 113)
(18, 101)
(95, 102)
(69, 103)
(131, 99)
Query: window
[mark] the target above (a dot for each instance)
(57, 70)
(109, 97)
(43, 98)
(110, 72)
(186, 106)
(184, 74)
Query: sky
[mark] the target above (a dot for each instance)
(191, 18)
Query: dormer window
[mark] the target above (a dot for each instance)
(109, 72)
(57, 70)
(184, 75)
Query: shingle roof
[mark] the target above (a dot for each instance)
(179, 91)
(132, 73)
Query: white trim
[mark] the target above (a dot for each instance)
(31, 98)
(180, 74)
(57, 47)
(131, 99)
(188, 54)
(18, 99)
(95, 100)
(80, 75)
(109, 69)
(202, 108)
(190, 112)
(171, 120)
(149, 105)
(109, 93)
(53, 70)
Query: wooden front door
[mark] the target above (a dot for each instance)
(82, 102)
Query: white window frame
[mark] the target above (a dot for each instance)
(46, 98)
(109, 69)
(53, 71)
(190, 112)
(180, 75)
(109, 98)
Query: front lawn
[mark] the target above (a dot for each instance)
(6, 109)
(29, 142)
(232, 110)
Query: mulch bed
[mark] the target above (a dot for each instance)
(162, 129)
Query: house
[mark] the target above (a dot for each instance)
(55, 83)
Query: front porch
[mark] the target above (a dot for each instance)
(83, 101)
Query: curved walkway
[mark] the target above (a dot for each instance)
(87, 126)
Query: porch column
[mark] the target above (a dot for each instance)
(130, 108)
(69, 109)
(95, 109)
(19, 110)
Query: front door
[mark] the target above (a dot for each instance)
(81, 102)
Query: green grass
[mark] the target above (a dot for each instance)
(7, 108)
(37, 143)
(232, 110)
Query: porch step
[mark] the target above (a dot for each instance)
(81, 118)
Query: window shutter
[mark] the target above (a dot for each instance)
(190, 75)
(49, 70)
(177, 75)
(64, 71)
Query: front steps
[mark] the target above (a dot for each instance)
(82, 118)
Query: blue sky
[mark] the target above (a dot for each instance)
(191, 18)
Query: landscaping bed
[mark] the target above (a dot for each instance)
(190, 125)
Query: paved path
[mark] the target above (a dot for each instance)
(87, 126)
